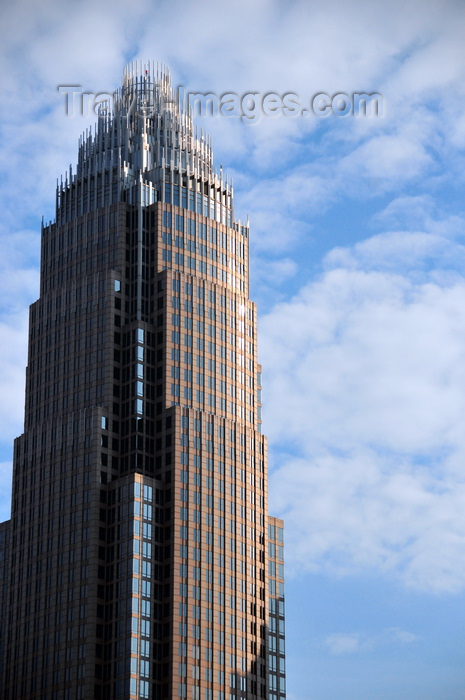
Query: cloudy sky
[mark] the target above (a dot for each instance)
(358, 262)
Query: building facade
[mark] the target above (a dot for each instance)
(140, 560)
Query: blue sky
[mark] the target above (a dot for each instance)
(358, 262)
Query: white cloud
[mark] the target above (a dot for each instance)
(275, 272)
(357, 642)
(402, 635)
(434, 255)
(13, 335)
(365, 402)
(343, 643)
(407, 211)
(12, 372)
(5, 490)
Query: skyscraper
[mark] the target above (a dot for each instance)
(140, 560)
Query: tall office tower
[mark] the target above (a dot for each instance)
(142, 560)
